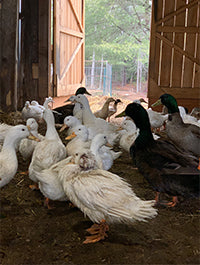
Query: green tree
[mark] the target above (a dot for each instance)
(118, 30)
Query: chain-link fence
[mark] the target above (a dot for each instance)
(98, 75)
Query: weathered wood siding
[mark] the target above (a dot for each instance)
(174, 64)
(8, 54)
(68, 46)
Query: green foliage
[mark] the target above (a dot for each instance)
(118, 30)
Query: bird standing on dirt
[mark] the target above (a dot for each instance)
(104, 111)
(102, 196)
(113, 109)
(166, 167)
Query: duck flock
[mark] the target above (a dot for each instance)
(164, 147)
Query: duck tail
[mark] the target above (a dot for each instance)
(143, 210)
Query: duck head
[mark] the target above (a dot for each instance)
(82, 90)
(169, 101)
(138, 114)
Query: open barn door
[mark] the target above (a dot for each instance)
(68, 46)
(174, 65)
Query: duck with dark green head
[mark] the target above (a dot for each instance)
(67, 110)
(166, 167)
(184, 135)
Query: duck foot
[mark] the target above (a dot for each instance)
(170, 204)
(24, 173)
(97, 231)
(34, 186)
(166, 204)
(47, 204)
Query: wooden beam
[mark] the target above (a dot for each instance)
(71, 32)
(76, 16)
(180, 50)
(177, 29)
(177, 92)
(43, 49)
(71, 59)
(178, 11)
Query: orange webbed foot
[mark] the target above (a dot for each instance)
(34, 186)
(97, 231)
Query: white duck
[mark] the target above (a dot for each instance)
(3, 131)
(129, 133)
(102, 196)
(97, 125)
(35, 110)
(79, 140)
(8, 157)
(77, 110)
(27, 146)
(70, 122)
(104, 156)
(157, 119)
(49, 183)
(49, 151)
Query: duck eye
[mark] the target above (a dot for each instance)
(23, 129)
(76, 154)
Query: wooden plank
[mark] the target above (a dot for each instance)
(71, 32)
(178, 29)
(76, 16)
(43, 49)
(167, 49)
(178, 11)
(8, 27)
(178, 49)
(155, 44)
(190, 48)
(71, 59)
(178, 92)
(71, 45)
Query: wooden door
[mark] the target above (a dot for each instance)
(68, 46)
(174, 65)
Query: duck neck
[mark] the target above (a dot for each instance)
(88, 116)
(144, 138)
(94, 147)
(51, 132)
(11, 145)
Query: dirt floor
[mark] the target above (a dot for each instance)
(32, 234)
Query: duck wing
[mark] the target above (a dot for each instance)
(167, 168)
(63, 111)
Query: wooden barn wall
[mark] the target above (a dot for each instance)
(24, 77)
(34, 66)
(174, 64)
(69, 46)
(8, 54)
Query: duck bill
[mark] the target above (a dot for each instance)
(108, 145)
(143, 100)
(71, 136)
(122, 114)
(157, 103)
(34, 138)
(63, 127)
(119, 129)
(86, 92)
